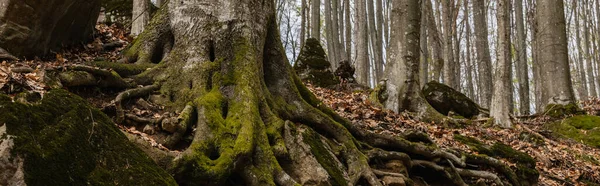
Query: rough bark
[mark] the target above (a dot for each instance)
(302, 23)
(375, 42)
(484, 60)
(553, 55)
(468, 63)
(500, 108)
(522, 67)
(29, 29)
(348, 29)
(362, 44)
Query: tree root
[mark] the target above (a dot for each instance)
(128, 94)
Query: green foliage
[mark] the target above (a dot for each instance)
(65, 141)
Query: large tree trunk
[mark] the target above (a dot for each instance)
(223, 67)
(484, 60)
(500, 106)
(35, 28)
(522, 67)
(553, 54)
(315, 19)
(424, 65)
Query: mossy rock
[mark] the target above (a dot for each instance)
(445, 99)
(65, 141)
(312, 65)
(582, 128)
(561, 111)
(525, 168)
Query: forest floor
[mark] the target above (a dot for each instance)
(560, 162)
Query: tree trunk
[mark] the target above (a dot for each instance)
(348, 29)
(553, 53)
(424, 65)
(141, 16)
(469, 66)
(362, 44)
(302, 23)
(522, 69)
(374, 43)
(329, 32)
(483, 52)
(500, 108)
(449, 66)
(586, 49)
(159, 3)
(583, 87)
(436, 43)
(315, 19)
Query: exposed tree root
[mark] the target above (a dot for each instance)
(128, 94)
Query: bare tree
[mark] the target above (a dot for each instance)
(362, 44)
(436, 43)
(448, 22)
(553, 55)
(484, 60)
(500, 108)
(303, 23)
(468, 65)
(522, 69)
(315, 19)
(424, 65)
(141, 16)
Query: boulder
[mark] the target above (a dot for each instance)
(445, 99)
(62, 140)
(33, 28)
(312, 65)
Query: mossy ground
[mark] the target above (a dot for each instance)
(65, 141)
(582, 128)
(525, 168)
(561, 111)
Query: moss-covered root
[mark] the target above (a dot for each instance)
(65, 141)
(82, 75)
(129, 94)
(154, 44)
(123, 69)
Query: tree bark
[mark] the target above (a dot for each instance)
(587, 53)
(315, 19)
(522, 67)
(500, 108)
(141, 16)
(449, 66)
(329, 32)
(424, 65)
(348, 29)
(362, 44)
(302, 23)
(553, 53)
(469, 66)
(436, 43)
(483, 52)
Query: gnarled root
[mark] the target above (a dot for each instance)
(129, 94)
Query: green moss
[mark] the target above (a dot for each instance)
(525, 169)
(65, 141)
(560, 111)
(312, 65)
(324, 157)
(378, 95)
(579, 128)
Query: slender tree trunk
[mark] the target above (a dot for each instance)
(375, 45)
(499, 109)
(348, 29)
(141, 16)
(315, 19)
(362, 44)
(449, 66)
(522, 67)
(424, 65)
(586, 48)
(469, 66)
(302, 23)
(553, 53)
(484, 60)
(436, 43)
(335, 34)
(330, 38)
(583, 90)
(340, 31)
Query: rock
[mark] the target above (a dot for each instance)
(445, 99)
(149, 129)
(312, 65)
(170, 124)
(396, 166)
(11, 168)
(33, 28)
(63, 140)
(345, 71)
(393, 181)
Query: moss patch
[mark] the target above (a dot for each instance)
(584, 129)
(65, 141)
(525, 168)
(324, 157)
(123, 69)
